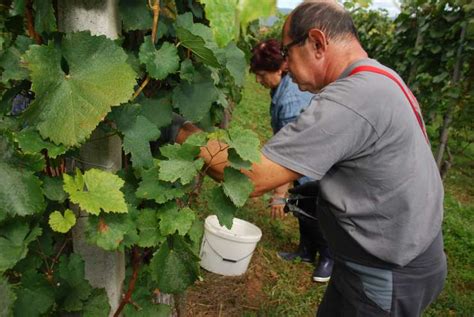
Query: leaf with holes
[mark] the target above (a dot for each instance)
(102, 191)
(76, 83)
(62, 223)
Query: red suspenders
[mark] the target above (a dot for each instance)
(408, 94)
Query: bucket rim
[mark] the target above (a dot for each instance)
(211, 224)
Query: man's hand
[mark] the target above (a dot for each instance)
(277, 204)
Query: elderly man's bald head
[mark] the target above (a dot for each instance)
(325, 15)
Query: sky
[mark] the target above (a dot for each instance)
(385, 4)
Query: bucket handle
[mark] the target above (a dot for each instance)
(225, 259)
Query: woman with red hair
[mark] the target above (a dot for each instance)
(288, 102)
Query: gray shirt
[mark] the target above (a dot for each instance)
(377, 174)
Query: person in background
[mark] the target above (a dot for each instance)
(287, 103)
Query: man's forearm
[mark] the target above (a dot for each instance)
(265, 175)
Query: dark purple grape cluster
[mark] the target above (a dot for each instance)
(20, 102)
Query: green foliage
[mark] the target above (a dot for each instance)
(159, 63)
(20, 192)
(55, 94)
(174, 266)
(62, 223)
(7, 298)
(73, 91)
(14, 243)
(101, 192)
(236, 186)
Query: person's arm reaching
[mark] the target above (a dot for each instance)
(265, 175)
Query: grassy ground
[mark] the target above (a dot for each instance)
(272, 287)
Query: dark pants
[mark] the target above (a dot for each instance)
(356, 290)
(311, 237)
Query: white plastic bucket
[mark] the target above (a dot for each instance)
(228, 252)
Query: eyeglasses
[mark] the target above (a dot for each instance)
(285, 48)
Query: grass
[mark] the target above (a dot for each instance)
(272, 287)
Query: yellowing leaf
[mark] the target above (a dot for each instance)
(60, 223)
(102, 191)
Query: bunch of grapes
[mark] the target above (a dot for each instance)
(21, 101)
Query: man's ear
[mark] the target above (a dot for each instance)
(318, 41)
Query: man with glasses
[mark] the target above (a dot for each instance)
(381, 197)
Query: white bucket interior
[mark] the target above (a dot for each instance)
(228, 251)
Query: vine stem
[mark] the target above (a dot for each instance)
(131, 285)
(142, 86)
(154, 30)
(31, 24)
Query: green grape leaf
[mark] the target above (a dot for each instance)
(53, 189)
(236, 161)
(159, 63)
(236, 63)
(236, 186)
(73, 288)
(176, 151)
(20, 192)
(175, 169)
(194, 100)
(250, 12)
(60, 223)
(123, 116)
(195, 234)
(7, 298)
(10, 60)
(18, 7)
(147, 224)
(107, 231)
(152, 188)
(76, 88)
(145, 301)
(174, 267)
(172, 220)
(197, 45)
(245, 143)
(97, 305)
(136, 141)
(30, 142)
(35, 297)
(45, 21)
(222, 207)
(14, 240)
(158, 111)
(103, 191)
(197, 139)
(135, 15)
(187, 70)
(221, 16)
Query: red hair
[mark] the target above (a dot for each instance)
(266, 56)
